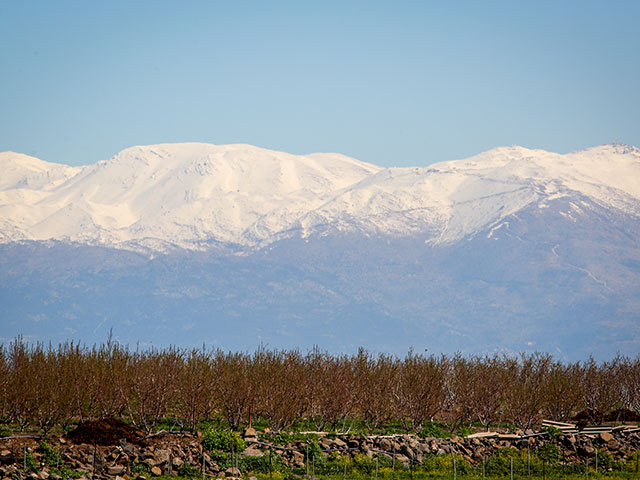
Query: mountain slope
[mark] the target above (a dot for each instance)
(510, 250)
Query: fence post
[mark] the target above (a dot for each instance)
(455, 469)
(344, 472)
(393, 458)
(586, 468)
(93, 462)
(483, 467)
(596, 460)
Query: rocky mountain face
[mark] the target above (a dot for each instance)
(510, 250)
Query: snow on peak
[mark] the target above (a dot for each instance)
(194, 194)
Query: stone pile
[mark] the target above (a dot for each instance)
(167, 453)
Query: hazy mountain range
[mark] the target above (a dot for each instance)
(233, 245)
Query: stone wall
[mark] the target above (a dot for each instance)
(167, 453)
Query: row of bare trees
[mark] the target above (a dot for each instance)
(43, 386)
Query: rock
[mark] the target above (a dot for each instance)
(253, 451)
(297, 459)
(149, 462)
(253, 478)
(43, 475)
(55, 476)
(177, 462)
(606, 437)
(386, 444)
(6, 457)
(118, 477)
(156, 471)
(116, 470)
(232, 472)
(613, 444)
(250, 433)
(586, 450)
(325, 443)
(162, 456)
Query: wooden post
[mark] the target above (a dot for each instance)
(596, 460)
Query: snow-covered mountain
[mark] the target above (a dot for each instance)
(510, 250)
(197, 195)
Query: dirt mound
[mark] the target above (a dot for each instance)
(108, 431)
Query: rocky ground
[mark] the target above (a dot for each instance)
(104, 451)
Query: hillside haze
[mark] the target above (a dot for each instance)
(234, 245)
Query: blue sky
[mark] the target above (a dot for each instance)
(391, 83)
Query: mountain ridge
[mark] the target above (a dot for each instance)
(193, 195)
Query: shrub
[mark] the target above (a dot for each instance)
(434, 429)
(222, 441)
(499, 464)
(553, 433)
(66, 473)
(632, 462)
(50, 455)
(30, 464)
(443, 464)
(549, 453)
(186, 470)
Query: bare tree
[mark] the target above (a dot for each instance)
(420, 392)
(562, 391)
